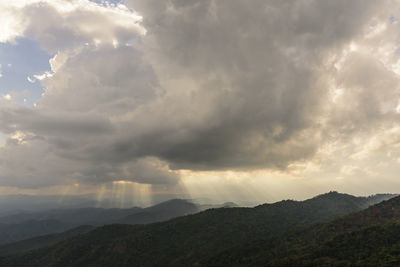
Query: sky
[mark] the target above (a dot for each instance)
(228, 100)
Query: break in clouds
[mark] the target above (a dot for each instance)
(140, 90)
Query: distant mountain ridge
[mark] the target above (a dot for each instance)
(203, 207)
(161, 212)
(191, 239)
(26, 225)
(94, 216)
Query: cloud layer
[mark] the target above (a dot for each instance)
(140, 92)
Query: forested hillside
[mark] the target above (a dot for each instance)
(189, 240)
(366, 238)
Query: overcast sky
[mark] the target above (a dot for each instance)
(225, 99)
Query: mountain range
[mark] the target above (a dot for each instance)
(366, 238)
(25, 225)
(215, 236)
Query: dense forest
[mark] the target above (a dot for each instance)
(366, 238)
(283, 233)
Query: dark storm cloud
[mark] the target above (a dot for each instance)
(255, 67)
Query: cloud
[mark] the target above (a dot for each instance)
(7, 97)
(196, 85)
(60, 24)
(254, 70)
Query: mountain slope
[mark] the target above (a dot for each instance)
(161, 212)
(190, 239)
(28, 237)
(13, 232)
(25, 225)
(42, 241)
(203, 207)
(92, 216)
(366, 238)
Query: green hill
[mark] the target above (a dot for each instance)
(367, 238)
(191, 239)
